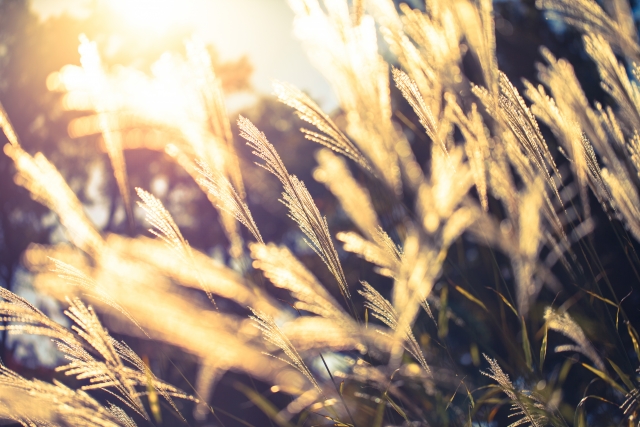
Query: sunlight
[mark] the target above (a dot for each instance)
(153, 15)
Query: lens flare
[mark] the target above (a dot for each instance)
(156, 16)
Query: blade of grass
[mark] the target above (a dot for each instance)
(635, 339)
(526, 345)
(504, 300)
(625, 379)
(337, 389)
(605, 378)
(471, 297)
(543, 347)
(443, 324)
(265, 406)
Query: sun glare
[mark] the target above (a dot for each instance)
(153, 15)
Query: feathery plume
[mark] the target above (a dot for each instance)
(564, 324)
(168, 316)
(568, 133)
(588, 17)
(47, 186)
(411, 93)
(384, 311)
(216, 148)
(615, 81)
(296, 197)
(37, 403)
(476, 145)
(285, 271)
(111, 372)
(524, 404)
(449, 183)
(163, 224)
(527, 170)
(123, 419)
(333, 172)
(273, 334)
(522, 123)
(228, 198)
(345, 52)
(218, 278)
(382, 252)
(102, 104)
(626, 200)
(166, 229)
(209, 86)
(24, 318)
(487, 50)
(77, 277)
(227, 218)
(311, 113)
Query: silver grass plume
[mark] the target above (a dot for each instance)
(273, 334)
(96, 76)
(573, 121)
(218, 152)
(428, 48)
(111, 372)
(171, 317)
(616, 180)
(122, 417)
(411, 93)
(383, 310)
(344, 52)
(439, 198)
(285, 271)
(382, 251)
(47, 186)
(296, 197)
(476, 145)
(522, 123)
(21, 317)
(37, 403)
(227, 198)
(106, 374)
(166, 229)
(487, 53)
(78, 278)
(615, 81)
(625, 93)
(217, 277)
(564, 324)
(626, 199)
(523, 404)
(163, 224)
(355, 200)
(588, 17)
(210, 87)
(331, 136)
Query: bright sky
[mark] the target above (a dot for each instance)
(261, 29)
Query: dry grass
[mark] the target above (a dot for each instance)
(495, 181)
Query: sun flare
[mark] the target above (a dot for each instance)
(153, 15)
(413, 257)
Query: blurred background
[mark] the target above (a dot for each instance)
(251, 44)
